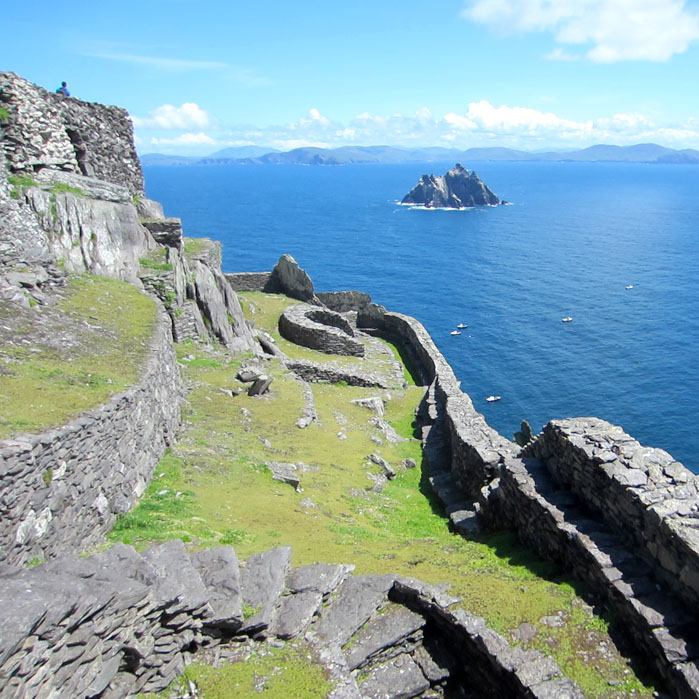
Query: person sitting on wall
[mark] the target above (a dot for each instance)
(63, 89)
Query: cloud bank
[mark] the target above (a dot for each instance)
(617, 30)
(482, 124)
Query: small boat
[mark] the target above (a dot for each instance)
(455, 332)
(462, 326)
(567, 319)
(630, 286)
(493, 399)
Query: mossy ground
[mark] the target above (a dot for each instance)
(60, 360)
(272, 674)
(214, 488)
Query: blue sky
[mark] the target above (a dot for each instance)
(197, 76)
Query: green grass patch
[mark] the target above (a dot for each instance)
(341, 516)
(62, 188)
(278, 674)
(194, 247)
(4, 114)
(22, 181)
(43, 383)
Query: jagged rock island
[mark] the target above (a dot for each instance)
(458, 189)
(233, 474)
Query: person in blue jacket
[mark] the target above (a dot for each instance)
(63, 89)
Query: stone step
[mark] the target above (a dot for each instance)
(307, 586)
(656, 621)
(220, 574)
(262, 582)
(387, 632)
(350, 607)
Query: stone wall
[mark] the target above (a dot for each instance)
(319, 329)
(249, 281)
(46, 130)
(620, 517)
(119, 623)
(642, 493)
(60, 491)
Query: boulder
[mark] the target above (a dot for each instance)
(288, 278)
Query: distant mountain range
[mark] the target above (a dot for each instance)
(258, 155)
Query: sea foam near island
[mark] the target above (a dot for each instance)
(581, 233)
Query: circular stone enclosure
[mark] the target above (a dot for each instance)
(320, 329)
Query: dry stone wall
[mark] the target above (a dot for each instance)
(619, 516)
(46, 130)
(60, 491)
(119, 623)
(320, 329)
(642, 493)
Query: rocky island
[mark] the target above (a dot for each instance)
(458, 189)
(231, 480)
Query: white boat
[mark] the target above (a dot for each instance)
(567, 319)
(630, 286)
(493, 399)
(455, 332)
(462, 325)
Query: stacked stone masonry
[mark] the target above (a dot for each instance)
(619, 516)
(46, 130)
(320, 329)
(119, 623)
(60, 491)
(642, 493)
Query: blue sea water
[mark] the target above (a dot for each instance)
(575, 236)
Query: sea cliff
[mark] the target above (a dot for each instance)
(619, 516)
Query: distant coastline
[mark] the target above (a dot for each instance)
(349, 155)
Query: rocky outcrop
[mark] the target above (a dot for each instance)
(119, 623)
(458, 189)
(71, 200)
(289, 279)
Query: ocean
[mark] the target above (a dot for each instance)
(575, 237)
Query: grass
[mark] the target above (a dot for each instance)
(4, 114)
(194, 247)
(272, 674)
(21, 180)
(45, 382)
(61, 188)
(156, 260)
(228, 496)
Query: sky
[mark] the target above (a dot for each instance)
(197, 76)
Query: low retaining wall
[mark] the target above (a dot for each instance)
(642, 493)
(249, 281)
(60, 491)
(119, 623)
(619, 516)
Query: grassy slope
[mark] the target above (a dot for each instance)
(214, 488)
(59, 361)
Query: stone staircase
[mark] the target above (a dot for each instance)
(119, 623)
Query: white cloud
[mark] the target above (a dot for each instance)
(166, 116)
(480, 124)
(186, 139)
(652, 30)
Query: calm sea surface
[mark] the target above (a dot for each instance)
(576, 235)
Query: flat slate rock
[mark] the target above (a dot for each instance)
(400, 678)
(318, 577)
(357, 599)
(384, 631)
(220, 574)
(296, 612)
(262, 581)
(178, 579)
